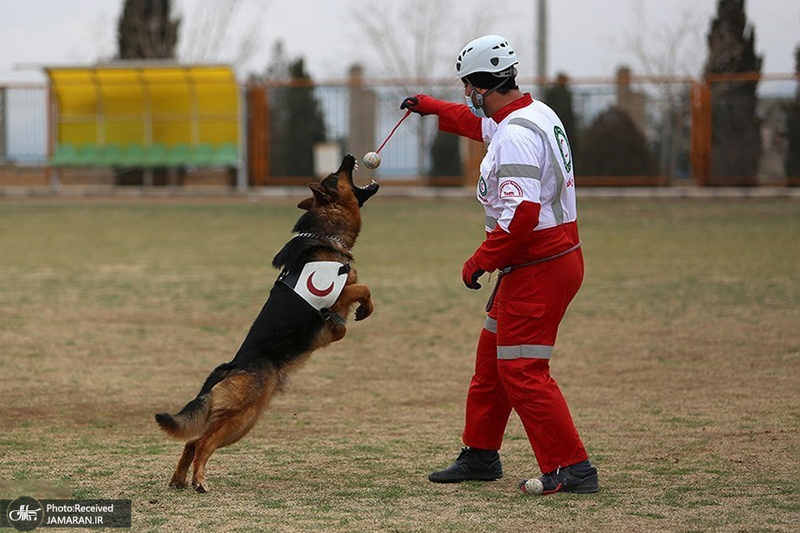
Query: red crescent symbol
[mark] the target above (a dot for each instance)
(315, 291)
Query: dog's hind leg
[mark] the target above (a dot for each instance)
(206, 445)
(226, 432)
(179, 477)
(237, 403)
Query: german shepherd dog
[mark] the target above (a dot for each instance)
(306, 310)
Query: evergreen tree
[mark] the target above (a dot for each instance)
(614, 146)
(445, 155)
(559, 98)
(145, 30)
(736, 133)
(793, 127)
(297, 124)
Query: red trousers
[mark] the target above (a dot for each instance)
(512, 367)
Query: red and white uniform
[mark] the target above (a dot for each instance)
(527, 189)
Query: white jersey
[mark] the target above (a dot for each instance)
(528, 159)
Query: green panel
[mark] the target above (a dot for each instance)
(133, 156)
(88, 155)
(110, 155)
(178, 155)
(202, 155)
(156, 156)
(65, 155)
(227, 155)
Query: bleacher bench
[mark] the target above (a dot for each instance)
(138, 155)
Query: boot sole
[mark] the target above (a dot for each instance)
(590, 485)
(461, 479)
(583, 490)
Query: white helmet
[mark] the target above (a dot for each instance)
(490, 53)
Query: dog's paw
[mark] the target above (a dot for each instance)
(363, 312)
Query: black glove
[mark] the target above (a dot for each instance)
(410, 102)
(470, 274)
(422, 104)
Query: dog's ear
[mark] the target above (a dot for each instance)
(326, 191)
(322, 195)
(306, 204)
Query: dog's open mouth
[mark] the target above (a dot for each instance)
(362, 193)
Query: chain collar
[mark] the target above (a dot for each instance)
(308, 235)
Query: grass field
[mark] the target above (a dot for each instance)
(680, 359)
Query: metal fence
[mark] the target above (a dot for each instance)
(615, 122)
(23, 124)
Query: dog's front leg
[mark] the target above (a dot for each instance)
(335, 324)
(361, 294)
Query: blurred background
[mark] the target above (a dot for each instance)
(253, 93)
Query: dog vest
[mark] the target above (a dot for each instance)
(319, 283)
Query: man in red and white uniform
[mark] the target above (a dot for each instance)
(527, 189)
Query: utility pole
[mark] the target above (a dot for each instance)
(541, 42)
(3, 114)
(541, 38)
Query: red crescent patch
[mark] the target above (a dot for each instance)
(509, 189)
(315, 291)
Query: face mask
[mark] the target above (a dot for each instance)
(477, 111)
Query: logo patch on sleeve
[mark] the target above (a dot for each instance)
(483, 189)
(563, 147)
(510, 189)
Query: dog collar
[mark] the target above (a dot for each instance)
(309, 235)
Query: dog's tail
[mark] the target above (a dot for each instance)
(189, 423)
(192, 420)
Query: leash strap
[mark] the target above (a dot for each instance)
(408, 112)
(509, 269)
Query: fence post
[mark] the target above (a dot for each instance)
(361, 130)
(701, 133)
(258, 135)
(3, 107)
(242, 167)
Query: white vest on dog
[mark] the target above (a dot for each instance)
(319, 283)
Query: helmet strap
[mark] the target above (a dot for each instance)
(479, 98)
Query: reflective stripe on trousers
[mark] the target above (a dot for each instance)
(523, 351)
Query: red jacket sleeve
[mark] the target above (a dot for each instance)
(453, 118)
(458, 119)
(500, 245)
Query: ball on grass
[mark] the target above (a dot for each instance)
(532, 486)
(372, 160)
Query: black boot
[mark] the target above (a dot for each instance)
(472, 464)
(580, 478)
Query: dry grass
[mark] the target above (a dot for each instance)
(679, 359)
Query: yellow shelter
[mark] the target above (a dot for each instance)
(145, 114)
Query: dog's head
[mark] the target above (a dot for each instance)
(339, 188)
(335, 207)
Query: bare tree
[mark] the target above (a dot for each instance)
(668, 53)
(408, 40)
(666, 50)
(411, 47)
(212, 33)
